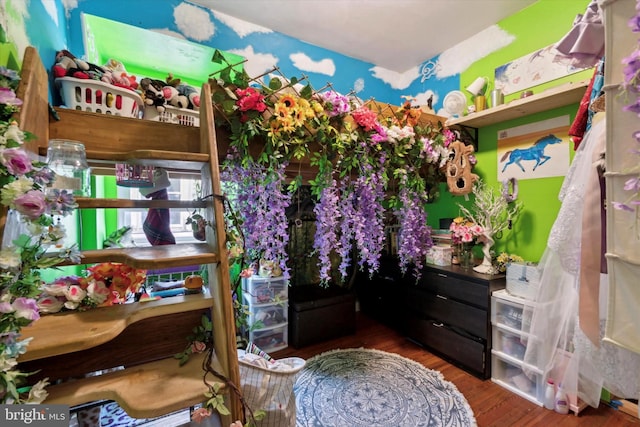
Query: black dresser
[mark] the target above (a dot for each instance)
(448, 311)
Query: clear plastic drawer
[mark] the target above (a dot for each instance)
(271, 339)
(267, 315)
(524, 380)
(262, 290)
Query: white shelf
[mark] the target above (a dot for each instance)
(566, 94)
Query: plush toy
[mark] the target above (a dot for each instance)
(174, 98)
(67, 65)
(191, 94)
(152, 92)
(185, 92)
(116, 74)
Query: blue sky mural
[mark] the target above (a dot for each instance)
(50, 25)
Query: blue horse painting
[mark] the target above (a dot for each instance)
(535, 152)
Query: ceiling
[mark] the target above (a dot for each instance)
(393, 34)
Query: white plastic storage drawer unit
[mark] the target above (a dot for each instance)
(509, 345)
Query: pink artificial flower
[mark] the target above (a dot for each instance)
(246, 273)
(56, 289)
(75, 293)
(250, 99)
(26, 308)
(32, 204)
(98, 291)
(5, 307)
(365, 118)
(200, 415)
(50, 304)
(16, 161)
(198, 347)
(8, 97)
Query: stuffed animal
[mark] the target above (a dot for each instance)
(191, 94)
(67, 65)
(173, 97)
(185, 92)
(116, 74)
(152, 92)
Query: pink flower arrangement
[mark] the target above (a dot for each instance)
(464, 231)
(106, 284)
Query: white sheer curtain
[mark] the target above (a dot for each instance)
(561, 349)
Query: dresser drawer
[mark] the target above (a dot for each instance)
(456, 288)
(471, 319)
(456, 348)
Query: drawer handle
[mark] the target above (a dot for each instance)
(442, 275)
(441, 297)
(438, 325)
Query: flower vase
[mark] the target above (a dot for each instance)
(487, 266)
(465, 256)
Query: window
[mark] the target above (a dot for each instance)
(181, 189)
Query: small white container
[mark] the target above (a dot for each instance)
(561, 401)
(550, 395)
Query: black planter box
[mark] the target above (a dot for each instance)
(318, 314)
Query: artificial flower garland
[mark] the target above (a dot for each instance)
(22, 192)
(358, 152)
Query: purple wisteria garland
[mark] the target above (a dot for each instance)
(414, 234)
(328, 215)
(350, 215)
(259, 196)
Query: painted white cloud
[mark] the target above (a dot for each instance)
(13, 22)
(194, 22)
(423, 98)
(394, 79)
(458, 58)
(358, 85)
(69, 5)
(52, 10)
(257, 63)
(240, 27)
(304, 63)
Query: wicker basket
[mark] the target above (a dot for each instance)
(99, 97)
(178, 116)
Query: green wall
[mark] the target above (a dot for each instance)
(540, 25)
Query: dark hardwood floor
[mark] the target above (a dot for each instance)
(492, 405)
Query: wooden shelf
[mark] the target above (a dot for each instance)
(104, 323)
(89, 203)
(135, 343)
(154, 257)
(143, 391)
(560, 96)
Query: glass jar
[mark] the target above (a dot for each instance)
(68, 160)
(465, 255)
